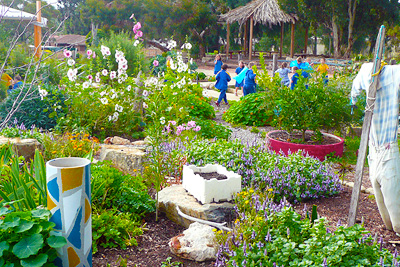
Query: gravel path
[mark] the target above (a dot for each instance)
(239, 133)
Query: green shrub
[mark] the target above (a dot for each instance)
(198, 106)
(112, 229)
(42, 113)
(125, 193)
(312, 106)
(25, 238)
(267, 234)
(211, 129)
(123, 42)
(253, 109)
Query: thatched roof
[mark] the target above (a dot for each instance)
(263, 12)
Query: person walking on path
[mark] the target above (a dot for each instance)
(323, 69)
(249, 86)
(284, 74)
(222, 78)
(238, 71)
(217, 64)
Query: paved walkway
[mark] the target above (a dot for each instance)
(215, 93)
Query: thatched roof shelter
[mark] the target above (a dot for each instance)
(263, 12)
(267, 12)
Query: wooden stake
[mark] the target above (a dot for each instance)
(292, 42)
(38, 30)
(362, 152)
(251, 38)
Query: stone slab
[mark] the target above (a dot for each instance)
(126, 158)
(24, 147)
(176, 195)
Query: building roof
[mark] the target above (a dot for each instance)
(7, 12)
(70, 39)
(263, 12)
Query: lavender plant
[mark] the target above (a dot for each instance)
(270, 234)
(295, 177)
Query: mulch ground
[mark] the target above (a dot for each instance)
(152, 250)
(153, 244)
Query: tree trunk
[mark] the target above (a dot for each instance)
(157, 44)
(352, 17)
(202, 49)
(315, 44)
(306, 41)
(336, 38)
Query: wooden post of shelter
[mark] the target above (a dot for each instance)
(362, 152)
(251, 38)
(292, 41)
(306, 41)
(38, 30)
(282, 32)
(228, 33)
(245, 38)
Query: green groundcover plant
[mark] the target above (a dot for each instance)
(119, 203)
(26, 239)
(295, 177)
(270, 234)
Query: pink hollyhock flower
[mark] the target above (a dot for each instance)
(139, 33)
(94, 55)
(132, 16)
(138, 26)
(155, 63)
(198, 128)
(89, 53)
(67, 53)
(90, 77)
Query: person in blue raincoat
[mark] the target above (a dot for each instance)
(249, 86)
(217, 64)
(222, 78)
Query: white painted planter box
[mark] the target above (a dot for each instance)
(215, 190)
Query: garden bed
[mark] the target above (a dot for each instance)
(153, 244)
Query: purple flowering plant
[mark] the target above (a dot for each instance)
(270, 234)
(19, 130)
(295, 177)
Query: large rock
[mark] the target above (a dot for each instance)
(176, 195)
(126, 158)
(24, 147)
(196, 243)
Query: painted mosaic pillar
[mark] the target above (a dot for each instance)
(69, 200)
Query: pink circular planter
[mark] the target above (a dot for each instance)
(318, 151)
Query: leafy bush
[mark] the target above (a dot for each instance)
(119, 203)
(112, 229)
(199, 106)
(125, 193)
(253, 109)
(110, 107)
(312, 107)
(266, 234)
(25, 238)
(42, 113)
(68, 145)
(295, 177)
(123, 42)
(211, 129)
